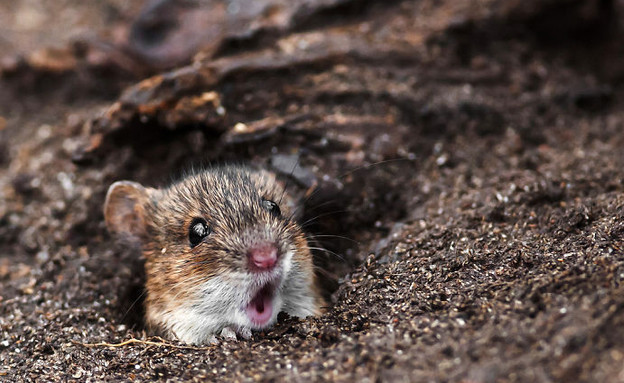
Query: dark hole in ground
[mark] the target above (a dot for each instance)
(132, 297)
(344, 211)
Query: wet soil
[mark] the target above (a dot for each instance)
(462, 161)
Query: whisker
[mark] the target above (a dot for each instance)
(325, 272)
(314, 236)
(290, 176)
(340, 177)
(303, 224)
(316, 207)
(371, 165)
(327, 251)
(133, 304)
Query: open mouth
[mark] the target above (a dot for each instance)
(260, 309)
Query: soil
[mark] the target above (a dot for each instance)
(463, 165)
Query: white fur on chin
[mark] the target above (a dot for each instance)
(220, 303)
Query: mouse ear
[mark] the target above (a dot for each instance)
(124, 209)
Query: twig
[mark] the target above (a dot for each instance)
(140, 341)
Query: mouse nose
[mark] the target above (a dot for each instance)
(262, 257)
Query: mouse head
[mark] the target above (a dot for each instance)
(221, 250)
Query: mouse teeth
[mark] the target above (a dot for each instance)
(260, 309)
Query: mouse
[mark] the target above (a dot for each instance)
(223, 252)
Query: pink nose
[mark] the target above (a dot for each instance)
(263, 257)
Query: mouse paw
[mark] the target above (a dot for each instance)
(244, 333)
(228, 334)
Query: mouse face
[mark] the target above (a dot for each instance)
(222, 251)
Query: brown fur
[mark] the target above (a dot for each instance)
(229, 199)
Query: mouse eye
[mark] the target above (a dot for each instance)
(271, 207)
(198, 230)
